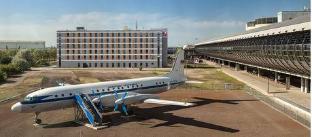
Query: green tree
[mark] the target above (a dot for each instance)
(52, 54)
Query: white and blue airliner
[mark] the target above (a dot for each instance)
(109, 94)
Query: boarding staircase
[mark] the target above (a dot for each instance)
(90, 111)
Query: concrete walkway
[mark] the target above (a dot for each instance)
(293, 95)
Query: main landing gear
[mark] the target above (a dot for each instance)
(128, 113)
(36, 119)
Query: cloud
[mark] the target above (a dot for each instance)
(181, 30)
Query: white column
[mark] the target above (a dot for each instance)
(236, 66)
(306, 84)
(287, 83)
(258, 72)
(302, 85)
(245, 67)
(275, 77)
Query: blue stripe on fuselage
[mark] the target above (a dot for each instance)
(40, 99)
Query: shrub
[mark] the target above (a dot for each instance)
(21, 64)
(3, 76)
(42, 62)
(9, 69)
(24, 54)
(6, 60)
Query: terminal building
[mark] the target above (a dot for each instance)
(279, 50)
(21, 44)
(112, 48)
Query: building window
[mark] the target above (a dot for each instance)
(78, 65)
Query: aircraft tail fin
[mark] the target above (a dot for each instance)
(177, 70)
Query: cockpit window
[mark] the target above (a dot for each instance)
(28, 99)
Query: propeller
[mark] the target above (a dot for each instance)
(123, 105)
(99, 97)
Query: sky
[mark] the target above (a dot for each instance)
(187, 21)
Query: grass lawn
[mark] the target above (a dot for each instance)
(88, 80)
(29, 83)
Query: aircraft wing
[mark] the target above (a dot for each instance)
(134, 98)
(167, 102)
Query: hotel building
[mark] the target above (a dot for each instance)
(112, 48)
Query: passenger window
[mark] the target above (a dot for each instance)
(70, 94)
(63, 95)
(55, 96)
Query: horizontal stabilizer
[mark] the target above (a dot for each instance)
(168, 102)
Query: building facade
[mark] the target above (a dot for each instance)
(281, 50)
(22, 45)
(112, 48)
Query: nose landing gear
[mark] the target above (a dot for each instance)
(36, 119)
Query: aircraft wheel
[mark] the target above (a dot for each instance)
(38, 121)
(130, 112)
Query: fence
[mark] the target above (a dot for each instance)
(298, 114)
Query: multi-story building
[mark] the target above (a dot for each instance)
(112, 48)
(16, 44)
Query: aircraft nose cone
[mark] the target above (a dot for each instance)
(17, 107)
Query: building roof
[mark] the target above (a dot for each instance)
(296, 24)
(121, 30)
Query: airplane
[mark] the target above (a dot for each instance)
(118, 94)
